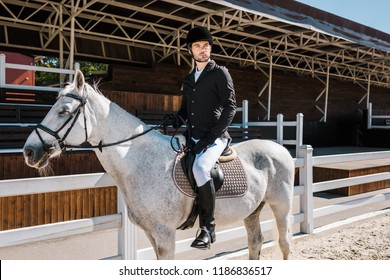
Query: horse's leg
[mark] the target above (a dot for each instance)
(253, 229)
(282, 216)
(162, 239)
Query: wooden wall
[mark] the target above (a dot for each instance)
(291, 94)
(134, 101)
(37, 209)
(324, 174)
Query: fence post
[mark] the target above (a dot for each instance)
(306, 179)
(2, 70)
(369, 116)
(127, 234)
(279, 129)
(299, 133)
(245, 113)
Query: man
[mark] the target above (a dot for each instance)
(208, 105)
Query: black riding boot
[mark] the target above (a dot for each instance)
(206, 195)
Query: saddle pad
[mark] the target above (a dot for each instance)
(234, 179)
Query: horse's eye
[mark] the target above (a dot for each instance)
(64, 112)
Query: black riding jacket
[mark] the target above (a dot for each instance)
(209, 104)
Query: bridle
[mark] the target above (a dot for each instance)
(60, 145)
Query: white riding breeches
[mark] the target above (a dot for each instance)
(205, 160)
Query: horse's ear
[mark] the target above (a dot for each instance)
(79, 80)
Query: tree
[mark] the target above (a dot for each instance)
(47, 78)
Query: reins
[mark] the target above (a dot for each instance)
(60, 145)
(100, 146)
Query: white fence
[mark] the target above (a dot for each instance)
(371, 117)
(127, 237)
(279, 124)
(63, 229)
(4, 65)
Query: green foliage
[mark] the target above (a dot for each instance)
(89, 67)
(47, 78)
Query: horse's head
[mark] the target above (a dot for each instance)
(65, 124)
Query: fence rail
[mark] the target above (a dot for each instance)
(4, 65)
(279, 124)
(127, 238)
(26, 235)
(371, 118)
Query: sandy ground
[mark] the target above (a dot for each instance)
(364, 240)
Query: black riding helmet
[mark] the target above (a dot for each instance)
(198, 33)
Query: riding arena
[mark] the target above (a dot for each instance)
(312, 96)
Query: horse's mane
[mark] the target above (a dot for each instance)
(71, 86)
(90, 90)
(95, 86)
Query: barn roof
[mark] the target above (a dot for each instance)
(250, 33)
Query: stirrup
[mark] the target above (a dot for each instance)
(197, 236)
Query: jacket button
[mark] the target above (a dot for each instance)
(192, 126)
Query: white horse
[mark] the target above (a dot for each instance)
(140, 162)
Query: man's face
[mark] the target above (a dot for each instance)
(201, 51)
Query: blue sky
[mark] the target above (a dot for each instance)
(373, 13)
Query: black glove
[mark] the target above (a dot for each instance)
(200, 146)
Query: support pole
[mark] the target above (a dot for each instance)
(326, 95)
(269, 89)
(178, 52)
(72, 40)
(61, 48)
(368, 91)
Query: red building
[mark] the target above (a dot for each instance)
(16, 76)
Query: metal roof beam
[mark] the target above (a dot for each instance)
(241, 36)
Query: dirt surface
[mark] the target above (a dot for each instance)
(366, 240)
